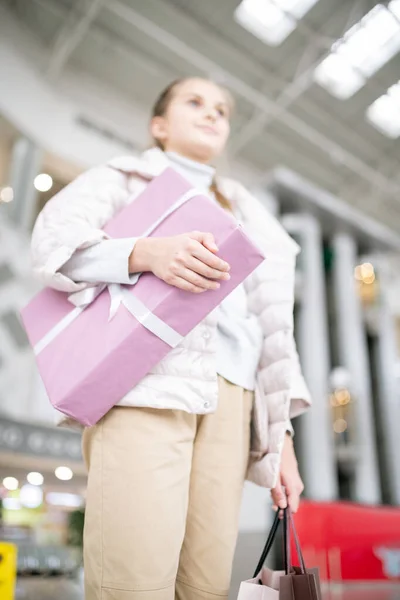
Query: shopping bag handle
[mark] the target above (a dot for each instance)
(268, 544)
(289, 526)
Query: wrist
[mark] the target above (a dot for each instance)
(140, 257)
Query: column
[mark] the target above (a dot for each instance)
(317, 443)
(353, 355)
(386, 357)
(25, 165)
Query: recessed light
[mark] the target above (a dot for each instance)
(10, 483)
(35, 478)
(43, 182)
(64, 473)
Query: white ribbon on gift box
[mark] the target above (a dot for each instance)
(119, 295)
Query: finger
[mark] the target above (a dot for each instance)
(196, 265)
(209, 242)
(198, 280)
(182, 284)
(293, 495)
(209, 259)
(207, 239)
(275, 508)
(278, 496)
(294, 501)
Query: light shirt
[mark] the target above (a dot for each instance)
(240, 336)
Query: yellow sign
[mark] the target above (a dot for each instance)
(8, 570)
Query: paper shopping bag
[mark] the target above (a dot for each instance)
(298, 582)
(294, 583)
(263, 587)
(265, 583)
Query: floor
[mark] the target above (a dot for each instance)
(247, 552)
(41, 589)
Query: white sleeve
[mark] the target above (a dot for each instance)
(105, 262)
(73, 220)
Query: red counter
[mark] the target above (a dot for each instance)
(350, 542)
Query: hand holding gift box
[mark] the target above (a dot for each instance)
(91, 355)
(188, 261)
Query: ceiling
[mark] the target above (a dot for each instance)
(282, 118)
(61, 170)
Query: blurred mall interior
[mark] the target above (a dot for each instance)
(316, 137)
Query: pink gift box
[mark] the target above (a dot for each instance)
(88, 362)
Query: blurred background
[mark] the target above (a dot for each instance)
(316, 138)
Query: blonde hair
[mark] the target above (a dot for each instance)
(159, 110)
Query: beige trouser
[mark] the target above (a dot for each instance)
(163, 500)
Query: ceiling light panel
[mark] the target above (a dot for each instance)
(272, 21)
(384, 113)
(362, 51)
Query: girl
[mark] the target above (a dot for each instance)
(167, 464)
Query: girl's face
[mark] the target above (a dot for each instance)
(196, 123)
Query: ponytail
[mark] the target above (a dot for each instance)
(220, 198)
